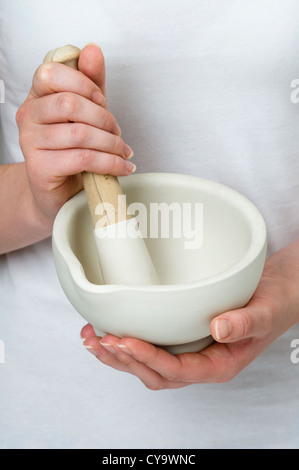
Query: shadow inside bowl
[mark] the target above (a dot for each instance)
(191, 249)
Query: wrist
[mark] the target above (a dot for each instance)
(40, 223)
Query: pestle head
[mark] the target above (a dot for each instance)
(68, 55)
(124, 256)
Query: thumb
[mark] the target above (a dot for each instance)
(92, 64)
(239, 324)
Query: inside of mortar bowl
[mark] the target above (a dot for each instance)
(233, 230)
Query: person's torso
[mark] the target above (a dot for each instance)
(198, 87)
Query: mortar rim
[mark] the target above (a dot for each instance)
(257, 245)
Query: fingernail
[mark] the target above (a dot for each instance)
(223, 329)
(93, 44)
(108, 347)
(130, 167)
(116, 129)
(91, 350)
(128, 152)
(125, 349)
(98, 98)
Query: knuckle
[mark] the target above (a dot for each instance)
(247, 324)
(112, 121)
(43, 73)
(86, 156)
(106, 120)
(66, 104)
(83, 84)
(177, 374)
(112, 164)
(117, 145)
(126, 360)
(20, 115)
(172, 377)
(24, 113)
(79, 133)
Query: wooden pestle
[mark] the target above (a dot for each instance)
(123, 260)
(98, 188)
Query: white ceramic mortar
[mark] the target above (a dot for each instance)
(196, 284)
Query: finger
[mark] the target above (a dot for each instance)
(218, 363)
(69, 107)
(62, 163)
(108, 353)
(92, 345)
(157, 359)
(250, 321)
(87, 332)
(215, 364)
(105, 354)
(83, 136)
(53, 77)
(92, 64)
(182, 368)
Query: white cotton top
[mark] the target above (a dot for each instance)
(198, 87)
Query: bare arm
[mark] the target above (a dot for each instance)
(22, 223)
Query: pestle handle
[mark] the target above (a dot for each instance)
(124, 260)
(99, 189)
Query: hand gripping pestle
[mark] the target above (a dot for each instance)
(122, 252)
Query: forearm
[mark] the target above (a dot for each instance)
(21, 223)
(286, 263)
